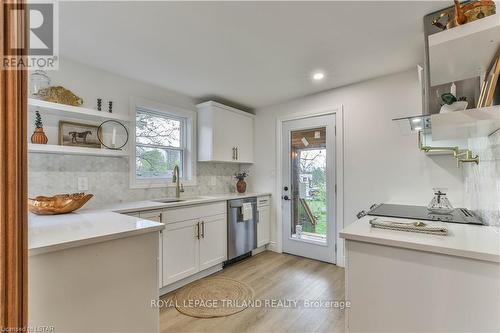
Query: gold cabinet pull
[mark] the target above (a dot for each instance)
(198, 230)
(202, 229)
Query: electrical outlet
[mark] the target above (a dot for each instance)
(212, 181)
(83, 184)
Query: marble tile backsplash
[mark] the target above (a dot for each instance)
(482, 182)
(108, 178)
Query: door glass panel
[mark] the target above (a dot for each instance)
(308, 195)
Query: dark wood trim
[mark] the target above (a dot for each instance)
(13, 177)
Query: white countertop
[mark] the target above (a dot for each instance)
(463, 240)
(129, 207)
(49, 233)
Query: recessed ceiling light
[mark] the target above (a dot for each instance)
(318, 76)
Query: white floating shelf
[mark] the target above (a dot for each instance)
(63, 110)
(70, 150)
(465, 51)
(465, 124)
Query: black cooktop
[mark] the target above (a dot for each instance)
(458, 215)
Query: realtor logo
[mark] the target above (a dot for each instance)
(42, 37)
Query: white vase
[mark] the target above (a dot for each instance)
(457, 106)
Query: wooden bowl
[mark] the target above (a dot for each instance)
(58, 204)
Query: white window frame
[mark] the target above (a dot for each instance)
(189, 139)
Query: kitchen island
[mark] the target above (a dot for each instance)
(403, 281)
(93, 272)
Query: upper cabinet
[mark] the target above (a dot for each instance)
(460, 80)
(225, 134)
(462, 58)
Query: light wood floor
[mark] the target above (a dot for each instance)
(274, 276)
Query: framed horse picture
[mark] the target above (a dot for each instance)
(78, 135)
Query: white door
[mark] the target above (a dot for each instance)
(213, 244)
(308, 193)
(180, 250)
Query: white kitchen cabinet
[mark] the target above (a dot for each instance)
(264, 220)
(155, 216)
(213, 243)
(180, 250)
(225, 134)
(194, 239)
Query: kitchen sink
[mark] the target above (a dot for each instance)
(169, 200)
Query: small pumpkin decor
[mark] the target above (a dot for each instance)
(241, 185)
(39, 136)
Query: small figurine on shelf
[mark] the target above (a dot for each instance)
(110, 106)
(241, 185)
(99, 104)
(39, 136)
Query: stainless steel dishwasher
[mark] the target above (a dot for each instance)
(241, 234)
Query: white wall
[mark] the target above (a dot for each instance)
(482, 182)
(380, 164)
(90, 83)
(108, 177)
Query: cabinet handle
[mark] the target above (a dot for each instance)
(202, 229)
(198, 230)
(258, 216)
(236, 153)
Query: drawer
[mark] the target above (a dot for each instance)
(194, 212)
(264, 201)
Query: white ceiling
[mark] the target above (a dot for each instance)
(251, 53)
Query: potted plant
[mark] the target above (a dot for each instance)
(451, 103)
(39, 136)
(241, 185)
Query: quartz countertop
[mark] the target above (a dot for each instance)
(49, 233)
(463, 240)
(130, 207)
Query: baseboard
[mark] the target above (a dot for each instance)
(259, 250)
(189, 279)
(273, 246)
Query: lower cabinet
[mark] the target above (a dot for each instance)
(264, 220)
(194, 239)
(194, 244)
(180, 250)
(213, 241)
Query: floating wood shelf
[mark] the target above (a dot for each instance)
(62, 110)
(463, 52)
(465, 124)
(70, 150)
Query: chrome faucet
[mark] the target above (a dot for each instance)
(177, 180)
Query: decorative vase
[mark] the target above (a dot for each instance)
(241, 186)
(39, 136)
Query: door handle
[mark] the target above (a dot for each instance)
(285, 197)
(202, 229)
